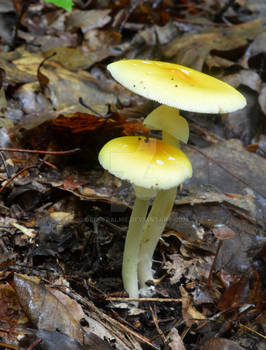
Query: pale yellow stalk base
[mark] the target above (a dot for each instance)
(153, 229)
(131, 250)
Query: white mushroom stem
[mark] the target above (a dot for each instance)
(164, 202)
(153, 229)
(133, 239)
(170, 138)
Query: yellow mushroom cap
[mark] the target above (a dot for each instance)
(147, 163)
(177, 86)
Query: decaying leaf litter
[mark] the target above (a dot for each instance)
(63, 220)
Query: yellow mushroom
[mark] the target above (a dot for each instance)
(149, 165)
(176, 87)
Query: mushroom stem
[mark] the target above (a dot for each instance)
(170, 139)
(157, 219)
(131, 250)
(153, 229)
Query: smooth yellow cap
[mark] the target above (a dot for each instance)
(177, 86)
(147, 163)
(168, 119)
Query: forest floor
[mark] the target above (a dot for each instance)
(63, 219)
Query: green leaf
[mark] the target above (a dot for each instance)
(65, 4)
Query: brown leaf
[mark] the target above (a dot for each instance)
(192, 50)
(78, 57)
(236, 294)
(87, 20)
(189, 313)
(71, 183)
(221, 344)
(44, 310)
(65, 87)
(82, 122)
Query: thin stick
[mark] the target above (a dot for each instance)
(57, 153)
(252, 330)
(102, 316)
(93, 110)
(209, 280)
(159, 300)
(34, 344)
(17, 174)
(9, 346)
(156, 322)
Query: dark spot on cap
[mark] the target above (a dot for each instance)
(147, 139)
(176, 85)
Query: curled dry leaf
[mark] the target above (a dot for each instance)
(178, 267)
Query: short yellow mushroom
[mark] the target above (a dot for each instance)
(149, 165)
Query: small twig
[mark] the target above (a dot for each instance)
(9, 346)
(159, 300)
(100, 219)
(156, 322)
(93, 110)
(44, 162)
(209, 280)
(129, 12)
(105, 317)
(252, 330)
(34, 344)
(43, 80)
(201, 23)
(44, 60)
(57, 153)
(23, 10)
(15, 175)
(5, 166)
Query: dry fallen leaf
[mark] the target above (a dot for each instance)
(192, 50)
(44, 310)
(189, 312)
(221, 344)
